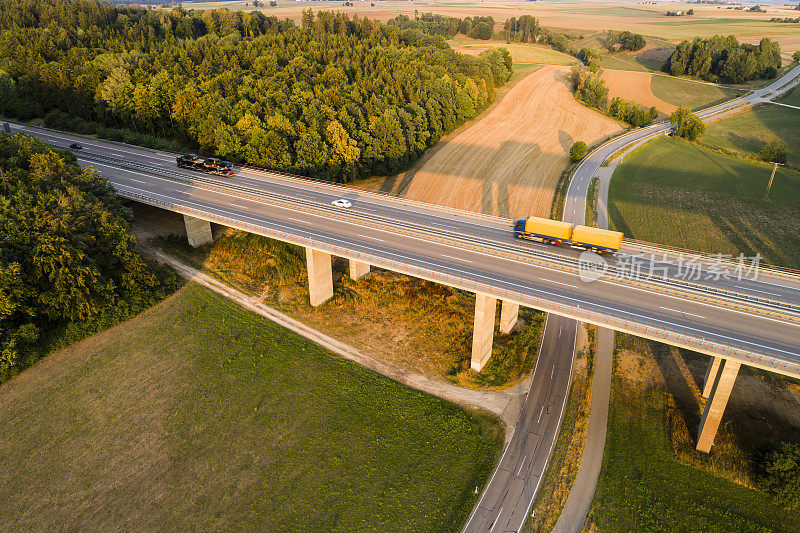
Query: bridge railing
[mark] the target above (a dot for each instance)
(474, 285)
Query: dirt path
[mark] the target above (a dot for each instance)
(634, 86)
(508, 162)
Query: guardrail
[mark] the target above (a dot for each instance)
(473, 284)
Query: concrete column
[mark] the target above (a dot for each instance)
(320, 276)
(358, 269)
(711, 375)
(715, 406)
(198, 231)
(483, 330)
(509, 313)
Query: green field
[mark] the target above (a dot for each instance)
(622, 62)
(199, 415)
(677, 193)
(520, 52)
(749, 130)
(644, 487)
(792, 97)
(680, 92)
(679, 28)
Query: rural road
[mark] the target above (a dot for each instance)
(579, 502)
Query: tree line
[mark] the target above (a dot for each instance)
(589, 88)
(723, 59)
(447, 27)
(332, 97)
(67, 256)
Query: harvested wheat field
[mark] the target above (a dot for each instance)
(508, 162)
(634, 86)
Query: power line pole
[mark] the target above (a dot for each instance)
(769, 185)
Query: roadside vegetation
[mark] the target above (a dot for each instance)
(332, 97)
(202, 415)
(674, 192)
(429, 326)
(792, 97)
(652, 478)
(68, 263)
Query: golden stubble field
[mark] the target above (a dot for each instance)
(635, 86)
(509, 161)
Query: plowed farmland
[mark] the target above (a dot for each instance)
(634, 86)
(508, 162)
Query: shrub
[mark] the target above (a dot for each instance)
(781, 475)
(773, 152)
(796, 57)
(577, 151)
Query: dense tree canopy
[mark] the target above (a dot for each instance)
(626, 40)
(66, 252)
(334, 97)
(686, 124)
(724, 59)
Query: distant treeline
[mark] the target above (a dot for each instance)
(333, 97)
(723, 59)
(785, 20)
(447, 27)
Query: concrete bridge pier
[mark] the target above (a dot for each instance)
(198, 231)
(483, 330)
(715, 405)
(711, 375)
(509, 314)
(320, 276)
(358, 269)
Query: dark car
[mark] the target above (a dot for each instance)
(217, 166)
(76, 146)
(190, 161)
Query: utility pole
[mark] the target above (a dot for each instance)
(769, 185)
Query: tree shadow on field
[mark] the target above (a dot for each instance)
(566, 140)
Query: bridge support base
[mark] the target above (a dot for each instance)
(198, 231)
(711, 375)
(715, 406)
(483, 331)
(320, 276)
(509, 314)
(358, 269)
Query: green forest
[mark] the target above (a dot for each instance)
(723, 59)
(68, 263)
(334, 97)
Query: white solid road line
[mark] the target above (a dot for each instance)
(237, 205)
(681, 312)
(371, 238)
(559, 283)
(456, 258)
(300, 220)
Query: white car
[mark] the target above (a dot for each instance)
(341, 202)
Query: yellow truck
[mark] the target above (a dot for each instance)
(566, 234)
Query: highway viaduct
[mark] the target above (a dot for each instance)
(753, 322)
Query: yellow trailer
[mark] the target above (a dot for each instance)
(543, 228)
(597, 239)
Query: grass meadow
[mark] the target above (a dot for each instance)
(644, 485)
(681, 92)
(792, 97)
(677, 193)
(200, 415)
(749, 130)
